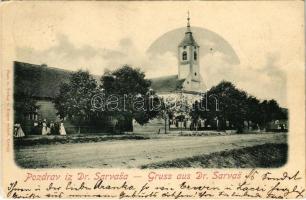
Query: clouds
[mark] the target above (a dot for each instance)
(209, 42)
(250, 51)
(264, 80)
(65, 54)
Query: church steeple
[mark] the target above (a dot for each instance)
(188, 23)
(188, 59)
(188, 39)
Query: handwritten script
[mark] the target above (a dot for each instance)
(160, 185)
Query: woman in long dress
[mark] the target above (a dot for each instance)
(62, 129)
(44, 130)
(18, 132)
(52, 128)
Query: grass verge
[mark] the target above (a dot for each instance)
(261, 156)
(57, 139)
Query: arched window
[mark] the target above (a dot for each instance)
(184, 55)
(195, 56)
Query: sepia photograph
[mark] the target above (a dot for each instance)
(151, 86)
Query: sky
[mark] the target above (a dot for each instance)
(252, 44)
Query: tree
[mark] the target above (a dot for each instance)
(270, 110)
(236, 107)
(129, 96)
(228, 104)
(178, 109)
(254, 113)
(74, 98)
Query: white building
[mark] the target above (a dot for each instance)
(188, 82)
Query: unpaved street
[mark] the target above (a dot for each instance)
(134, 153)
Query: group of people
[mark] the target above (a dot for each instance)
(48, 128)
(187, 123)
(41, 128)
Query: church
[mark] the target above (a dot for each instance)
(189, 79)
(186, 86)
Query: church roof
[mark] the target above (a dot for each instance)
(188, 40)
(166, 84)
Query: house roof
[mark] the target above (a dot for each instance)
(44, 82)
(166, 84)
(39, 80)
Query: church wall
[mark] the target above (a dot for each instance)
(191, 85)
(184, 65)
(196, 72)
(184, 70)
(194, 64)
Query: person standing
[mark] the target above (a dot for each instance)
(44, 130)
(35, 128)
(188, 124)
(18, 132)
(62, 129)
(202, 123)
(52, 128)
(48, 129)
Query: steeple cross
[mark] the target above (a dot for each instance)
(188, 19)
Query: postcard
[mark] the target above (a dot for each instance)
(152, 99)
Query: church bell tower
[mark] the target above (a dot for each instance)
(188, 55)
(188, 59)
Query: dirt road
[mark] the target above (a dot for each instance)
(134, 153)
